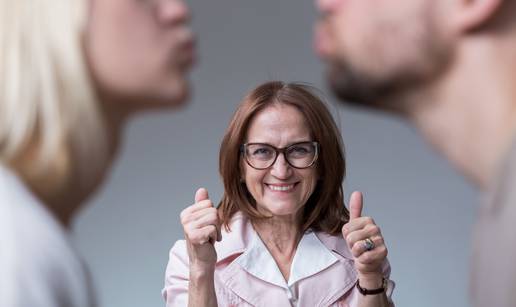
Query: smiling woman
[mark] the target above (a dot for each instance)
(292, 114)
(281, 235)
(281, 189)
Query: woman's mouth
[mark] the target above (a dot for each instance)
(281, 187)
(187, 53)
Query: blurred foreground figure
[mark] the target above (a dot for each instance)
(448, 66)
(71, 73)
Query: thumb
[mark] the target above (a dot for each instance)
(355, 205)
(201, 194)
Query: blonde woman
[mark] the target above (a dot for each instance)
(71, 73)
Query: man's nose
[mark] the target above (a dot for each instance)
(173, 12)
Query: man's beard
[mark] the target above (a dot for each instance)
(357, 88)
(388, 91)
(361, 89)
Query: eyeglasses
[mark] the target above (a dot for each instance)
(262, 156)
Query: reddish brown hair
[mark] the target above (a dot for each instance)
(324, 210)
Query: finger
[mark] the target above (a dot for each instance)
(201, 194)
(199, 212)
(355, 205)
(362, 234)
(373, 257)
(186, 214)
(207, 219)
(360, 247)
(357, 224)
(212, 216)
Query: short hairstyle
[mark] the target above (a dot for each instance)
(50, 119)
(324, 210)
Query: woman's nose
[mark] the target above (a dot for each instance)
(281, 169)
(173, 12)
(326, 6)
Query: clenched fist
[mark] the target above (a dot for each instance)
(202, 228)
(365, 240)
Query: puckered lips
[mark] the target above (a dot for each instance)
(187, 53)
(321, 40)
(183, 51)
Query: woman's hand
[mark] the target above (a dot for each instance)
(365, 240)
(202, 228)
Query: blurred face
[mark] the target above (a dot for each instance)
(140, 51)
(281, 189)
(379, 49)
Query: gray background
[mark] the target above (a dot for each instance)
(425, 210)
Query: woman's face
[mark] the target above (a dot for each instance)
(280, 190)
(140, 51)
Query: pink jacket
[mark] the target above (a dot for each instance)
(234, 286)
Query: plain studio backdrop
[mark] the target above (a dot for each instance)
(425, 210)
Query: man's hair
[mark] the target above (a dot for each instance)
(324, 210)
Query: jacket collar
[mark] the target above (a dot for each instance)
(236, 242)
(335, 244)
(241, 234)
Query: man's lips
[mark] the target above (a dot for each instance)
(321, 41)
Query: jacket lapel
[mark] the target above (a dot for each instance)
(251, 289)
(320, 289)
(329, 285)
(237, 280)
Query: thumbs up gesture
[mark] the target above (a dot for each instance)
(202, 228)
(365, 241)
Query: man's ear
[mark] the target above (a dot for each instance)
(473, 14)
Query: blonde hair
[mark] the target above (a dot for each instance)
(50, 121)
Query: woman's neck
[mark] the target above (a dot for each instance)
(281, 235)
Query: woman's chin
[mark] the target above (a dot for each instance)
(281, 212)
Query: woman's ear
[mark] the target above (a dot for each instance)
(473, 14)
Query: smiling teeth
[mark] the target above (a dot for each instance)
(281, 188)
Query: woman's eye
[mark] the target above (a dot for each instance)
(299, 150)
(262, 151)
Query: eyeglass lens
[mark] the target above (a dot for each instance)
(300, 155)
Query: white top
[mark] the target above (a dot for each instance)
(38, 264)
(311, 257)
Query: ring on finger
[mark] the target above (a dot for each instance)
(369, 244)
